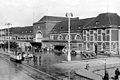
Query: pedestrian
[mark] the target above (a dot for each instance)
(117, 73)
(87, 66)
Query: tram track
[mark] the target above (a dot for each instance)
(37, 74)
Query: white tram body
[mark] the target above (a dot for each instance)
(16, 56)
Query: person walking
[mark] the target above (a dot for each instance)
(87, 67)
(117, 73)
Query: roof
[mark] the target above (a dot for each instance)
(103, 20)
(22, 30)
(52, 18)
(76, 25)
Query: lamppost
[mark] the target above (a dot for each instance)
(69, 15)
(105, 64)
(8, 25)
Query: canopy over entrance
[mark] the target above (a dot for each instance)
(58, 47)
(36, 44)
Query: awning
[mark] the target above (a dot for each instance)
(36, 44)
(59, 47)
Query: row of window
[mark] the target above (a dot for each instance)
(101, 46)
(60, 37)
(94, 37)
(99, 31)
(22, 38)
(97, 38)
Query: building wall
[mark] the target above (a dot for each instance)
(106, 39)
(76, 40)
(44, 27)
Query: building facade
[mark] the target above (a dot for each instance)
(22, 35)
(42, 28)
(102, 31)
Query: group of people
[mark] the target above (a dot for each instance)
(116, 76)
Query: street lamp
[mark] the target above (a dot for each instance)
(8, 24)
(69, 15)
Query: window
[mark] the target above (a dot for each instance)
(91, 38)
(87, 38)
(60, 37)
(67, 37)
(84, 38)
(99, 38)
(99, 31)
(95, 36)
(84, 32)
(77, 37)
(100, 46)
(107, 38)
(114, 46)
(88, 34)
(51, 37)
(91, 32)
(103, 36)
(107, 31)
(88, 46)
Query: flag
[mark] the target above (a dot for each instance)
(66, 14)
(71, 14)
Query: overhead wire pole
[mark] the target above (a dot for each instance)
(69, 15)
(8, 25)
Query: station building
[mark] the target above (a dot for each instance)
(43, 27)
(100, 32)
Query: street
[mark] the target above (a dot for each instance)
(14, 71)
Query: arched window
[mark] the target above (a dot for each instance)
(60, 37)
(67, 37)
(78, 37)
(39, 36)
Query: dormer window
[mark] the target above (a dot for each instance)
(51, 37)
(38, 27)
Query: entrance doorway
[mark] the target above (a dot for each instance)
(39, 36)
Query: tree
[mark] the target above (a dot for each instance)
(13, 45)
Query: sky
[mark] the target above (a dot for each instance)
(22, 13)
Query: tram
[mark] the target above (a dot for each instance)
(16, 57)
